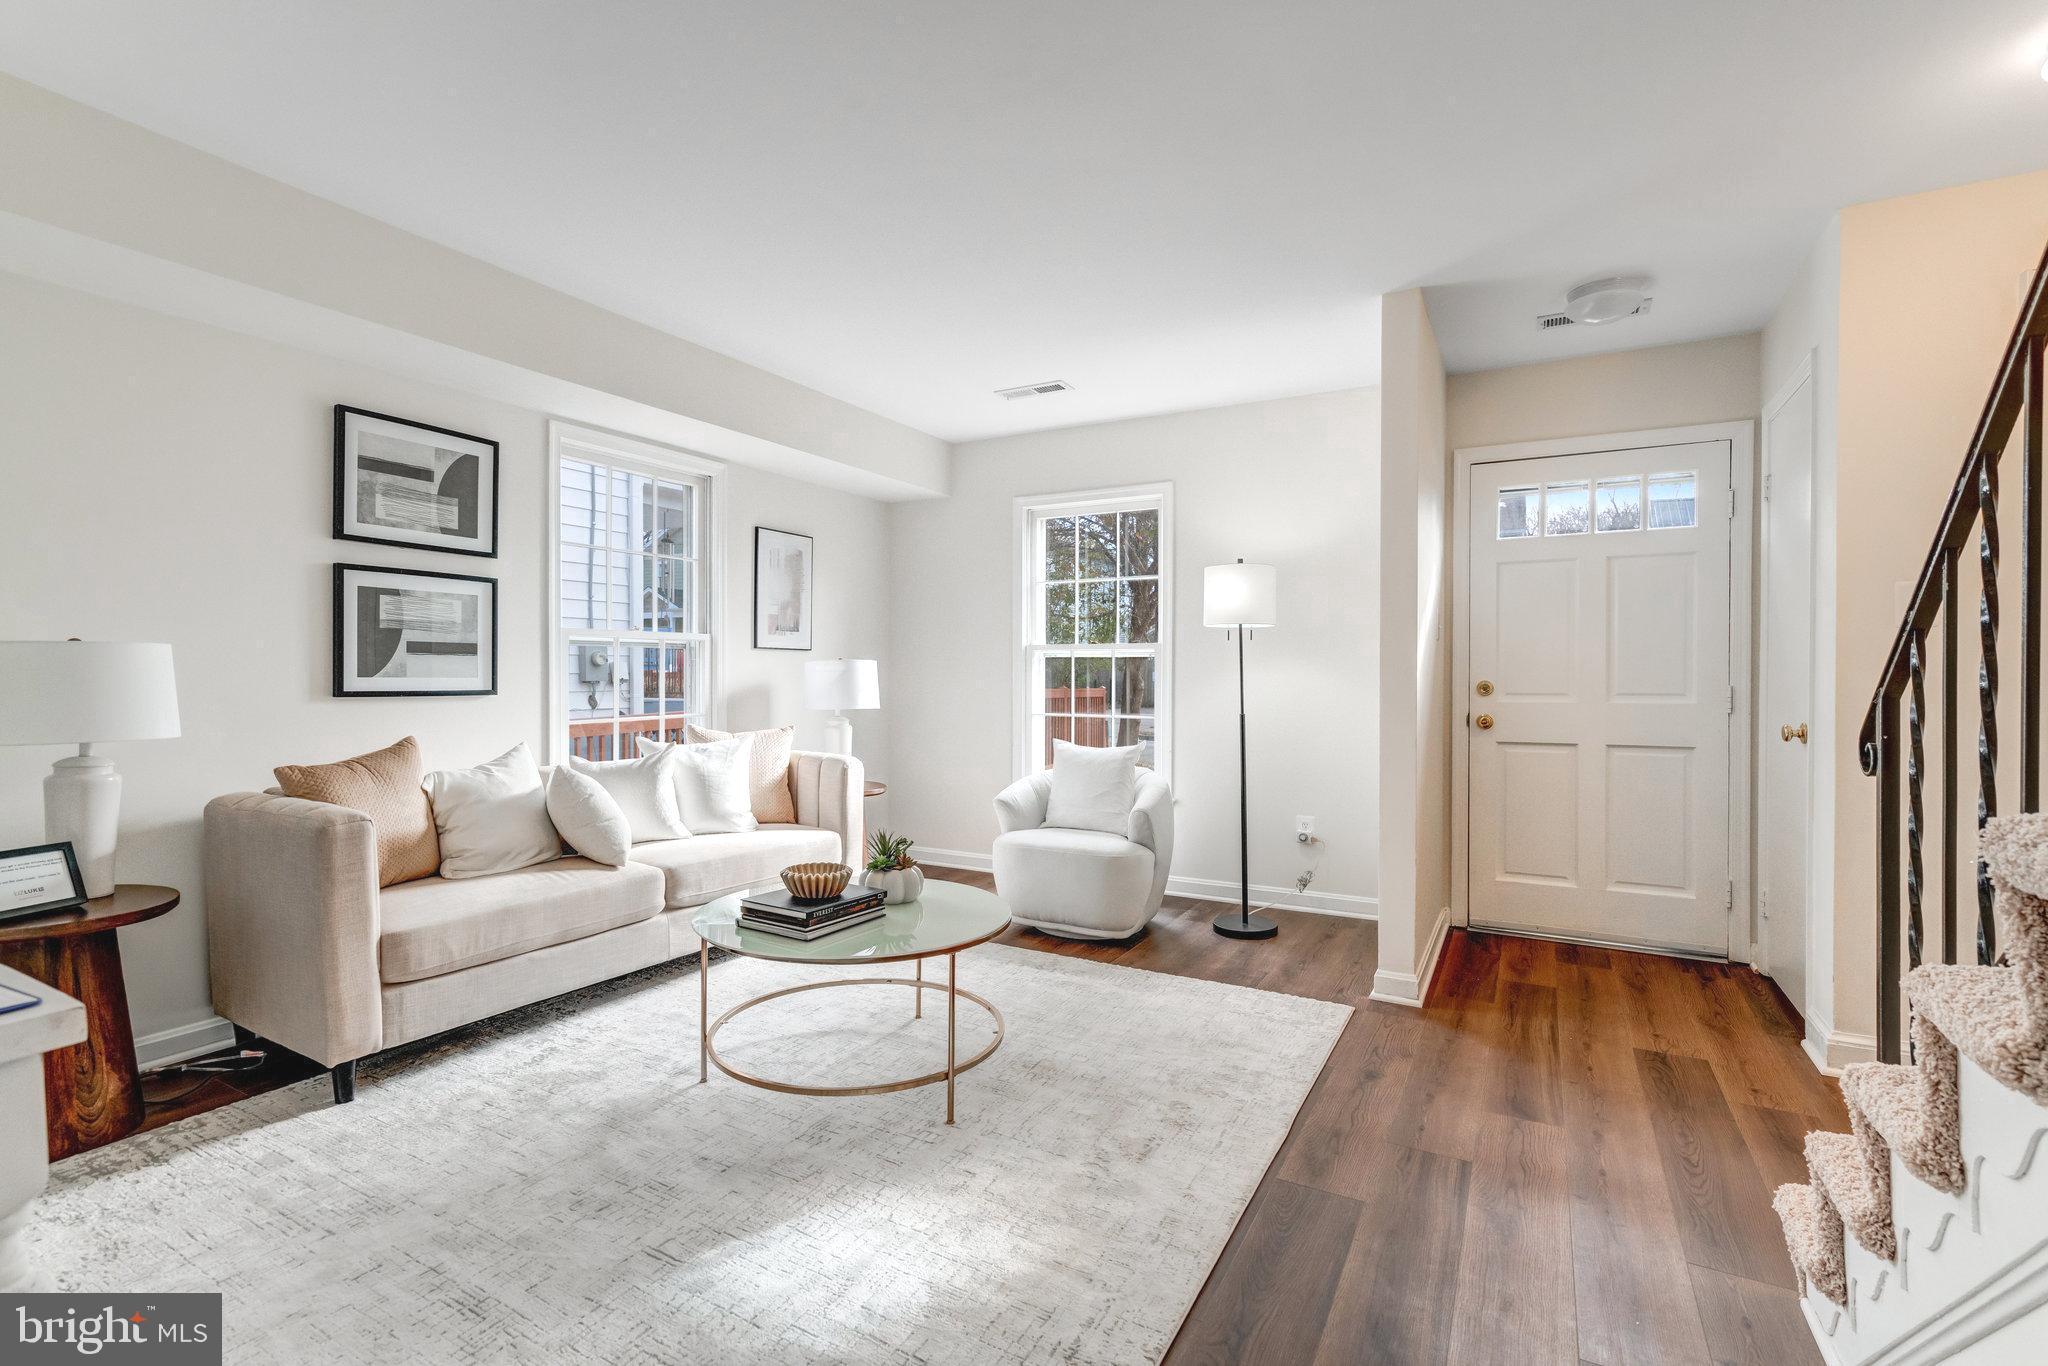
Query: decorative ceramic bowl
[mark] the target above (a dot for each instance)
(816, 881)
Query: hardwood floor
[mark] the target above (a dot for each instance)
(1565, 1157)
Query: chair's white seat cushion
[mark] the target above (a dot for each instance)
(437, 925)
(704, 867)
(1079, 879)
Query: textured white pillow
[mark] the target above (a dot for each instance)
(492, 818)
(588, 817)
(645, 790)
(714, 783)
(1092, 788)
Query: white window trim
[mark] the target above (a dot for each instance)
(1027, 509)
(568, 441)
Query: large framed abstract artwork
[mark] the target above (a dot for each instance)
(405, 483)
(782, 590)
(409, 633)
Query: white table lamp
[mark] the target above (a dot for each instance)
(1242, 597)
(85, 692)
(840, 686)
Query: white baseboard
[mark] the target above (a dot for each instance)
(167, 1046)
(1412, 988)
(1830, 1050)
(1199, 888)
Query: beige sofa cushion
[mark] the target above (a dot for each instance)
(385, 786)
(436, 925)
(704, 867)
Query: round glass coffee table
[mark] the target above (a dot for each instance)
(946, 918)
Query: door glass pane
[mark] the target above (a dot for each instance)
(1138, 542)
(1517, 513)
(1096, 612)
(590, 697)
(1059, 682)
(1097, 534)
(1566, 509)
(1059, 548)
(1618, 505)
(1059, 614)
(1137, 613)
(1674, 500)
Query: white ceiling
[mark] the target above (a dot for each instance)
(1168, 203)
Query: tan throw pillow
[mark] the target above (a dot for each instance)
(385, 786)
(768, 779)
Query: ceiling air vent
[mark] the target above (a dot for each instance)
(1051, 386)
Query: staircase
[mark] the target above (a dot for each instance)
(1922, 1235)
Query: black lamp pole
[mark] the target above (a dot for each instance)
(1244, 925)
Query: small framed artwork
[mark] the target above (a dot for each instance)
(412, 633)
(405, 483)
(42, 877)
(782, 590)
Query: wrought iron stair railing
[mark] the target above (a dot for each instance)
(1929, 634)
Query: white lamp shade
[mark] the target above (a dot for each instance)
(842, 685)
(1240, 595)
(79, 692)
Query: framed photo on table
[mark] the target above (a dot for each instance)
(413, 633)
(398, 482)
(42, 877)
(782, 590)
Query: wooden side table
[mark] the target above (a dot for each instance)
(873, 787)
(91, 1090)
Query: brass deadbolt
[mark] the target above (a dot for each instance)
(1483, 721)
(1484, 688)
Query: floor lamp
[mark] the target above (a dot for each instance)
(1241, 597)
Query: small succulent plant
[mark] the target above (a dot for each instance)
(887, 852)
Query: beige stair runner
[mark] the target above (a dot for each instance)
(1995, 1016)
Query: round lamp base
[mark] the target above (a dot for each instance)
(1236, 925)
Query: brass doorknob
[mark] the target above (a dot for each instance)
(1484, 687)
(1483, 721)
(1789, 733)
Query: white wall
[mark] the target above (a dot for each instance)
(1291, 482)
(1414, 659)
(1681, 385)
(169, 481)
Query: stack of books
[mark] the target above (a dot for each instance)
(777, 912)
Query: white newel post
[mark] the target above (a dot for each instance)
(25, 1035)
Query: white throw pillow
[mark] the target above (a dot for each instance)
(492, 818)
(1092, 788)
(588, 818)
(645, 790)
(714, 783)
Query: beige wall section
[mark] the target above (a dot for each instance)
(1808, 322)
(1289, 482)
(1930, 287)
(1415, 742)
(161, 201)
(1627, 391)
(168, 481)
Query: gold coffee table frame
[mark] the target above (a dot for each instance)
(750, 944)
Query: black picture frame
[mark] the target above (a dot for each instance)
(808, 595)
(484, 545)
(77, 895)
(342, 675)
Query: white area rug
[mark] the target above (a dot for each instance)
(554, 1186)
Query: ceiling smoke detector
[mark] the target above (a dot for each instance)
(1051, 386)
(1606, 301)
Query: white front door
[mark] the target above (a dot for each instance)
(1600, 706)
(1786, 670)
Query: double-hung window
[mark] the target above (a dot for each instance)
(634, 585)
(1098, 623)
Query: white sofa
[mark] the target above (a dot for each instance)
(306, 950)
(1084, 883)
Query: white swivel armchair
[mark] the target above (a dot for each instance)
(1083, 883)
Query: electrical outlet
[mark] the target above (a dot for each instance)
(1304, 829)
